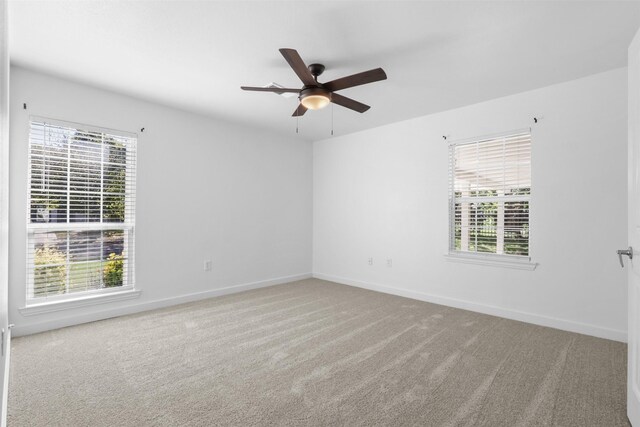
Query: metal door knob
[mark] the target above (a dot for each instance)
(627, 252)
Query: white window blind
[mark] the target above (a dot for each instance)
(490, 191)
(81, 211)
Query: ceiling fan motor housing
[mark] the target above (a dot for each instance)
(314, 90)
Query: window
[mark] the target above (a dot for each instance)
(490, 191)
(81, 211)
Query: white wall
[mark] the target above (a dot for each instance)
(206, 189)
(4, 207)
(382, 193)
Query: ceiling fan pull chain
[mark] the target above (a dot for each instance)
(332, 117)
(297, 119)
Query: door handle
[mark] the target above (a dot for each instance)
(627, 252)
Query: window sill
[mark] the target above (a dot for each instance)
(493, 261)
(52, 306)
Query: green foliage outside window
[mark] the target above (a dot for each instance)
(112, 271)
(50, 272)
(483, 230)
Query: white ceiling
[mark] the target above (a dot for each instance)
(437, 54)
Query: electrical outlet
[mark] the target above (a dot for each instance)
(370, 261)
(208, 265)
(389, 262)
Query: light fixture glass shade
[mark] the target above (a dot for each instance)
(315, 102)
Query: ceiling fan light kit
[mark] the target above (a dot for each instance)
(315, 95)
(315, 98)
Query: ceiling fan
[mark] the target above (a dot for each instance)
(315, 95)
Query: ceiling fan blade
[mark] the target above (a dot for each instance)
(270, 89)
(349, 103)
(294, 60)
(356, 79)
(299, 111)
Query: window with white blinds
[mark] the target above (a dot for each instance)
(81, 211)
(490, 191)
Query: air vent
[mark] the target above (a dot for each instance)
(276, 86)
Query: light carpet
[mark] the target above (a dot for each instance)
(315, 353)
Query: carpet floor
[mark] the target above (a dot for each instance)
(315, 353)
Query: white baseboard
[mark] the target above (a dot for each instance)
(536, 319)
(19, 330)
(5, 377)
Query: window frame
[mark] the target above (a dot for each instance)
(486, 258)
(36, 305)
